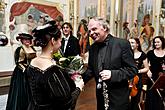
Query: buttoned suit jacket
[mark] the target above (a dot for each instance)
(120, 61)
(72, 48)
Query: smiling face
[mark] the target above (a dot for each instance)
(66, 30)
(26, 42)
(158, 43)
(133, 43)
(96, 31)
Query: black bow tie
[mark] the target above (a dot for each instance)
(104, 43)
(101, 44)
(65, 39)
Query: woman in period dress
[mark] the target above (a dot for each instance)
(19, 96)
(156, 59)
(51, 87)
(142, 64)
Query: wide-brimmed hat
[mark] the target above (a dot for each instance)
(24, 36)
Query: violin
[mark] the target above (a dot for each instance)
(132, 85)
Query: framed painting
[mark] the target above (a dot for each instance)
(88, 9)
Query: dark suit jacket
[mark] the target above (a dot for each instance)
(72, 48)
(120, 61)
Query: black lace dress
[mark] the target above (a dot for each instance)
(52, 89)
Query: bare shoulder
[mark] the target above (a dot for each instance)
(41, 63)
(35, 61)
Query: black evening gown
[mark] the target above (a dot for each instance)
(52, 89)
(136, 99)
(19, 92)
(153, 100)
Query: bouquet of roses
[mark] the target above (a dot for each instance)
(73, 65)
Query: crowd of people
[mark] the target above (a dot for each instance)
(149, 55)
(39, 83)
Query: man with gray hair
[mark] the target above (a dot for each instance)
(112, 64)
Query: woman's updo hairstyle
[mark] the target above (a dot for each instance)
(43, 34)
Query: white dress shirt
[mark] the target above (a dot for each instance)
(66, 42)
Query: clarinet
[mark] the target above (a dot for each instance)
(102, 84)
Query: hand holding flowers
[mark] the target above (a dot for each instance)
(73, 65)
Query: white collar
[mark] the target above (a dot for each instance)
(66, 38)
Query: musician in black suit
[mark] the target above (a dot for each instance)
(112, 64)
(70, 44)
